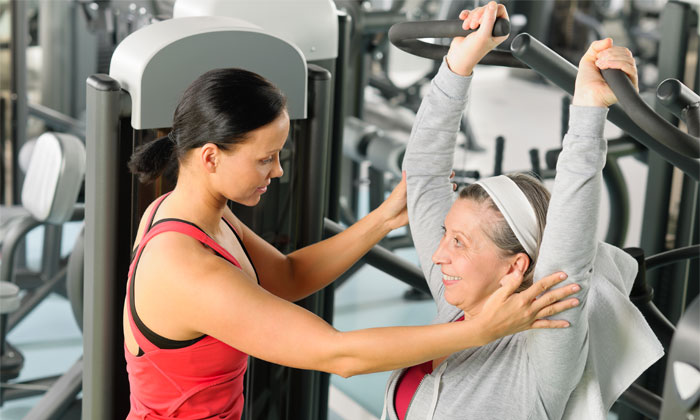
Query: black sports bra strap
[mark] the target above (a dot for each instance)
(153, 212)
(245, 250)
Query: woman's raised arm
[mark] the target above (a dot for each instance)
(570, 243)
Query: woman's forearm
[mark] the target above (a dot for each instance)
(381, 349)
(315, 266)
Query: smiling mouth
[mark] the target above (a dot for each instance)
(450, 280)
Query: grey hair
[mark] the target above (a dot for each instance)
(499, 232)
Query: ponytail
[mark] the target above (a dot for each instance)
(222, 107)
(151, 159)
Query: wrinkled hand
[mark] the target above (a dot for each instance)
(394, 208)
(591, 89)
(505, 312)
(465, 52)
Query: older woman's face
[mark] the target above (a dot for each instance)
(471, 263)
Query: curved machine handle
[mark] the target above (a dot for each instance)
(682, 102)
(407, 35)
(672, 92)
(562, 73)
(646, 118)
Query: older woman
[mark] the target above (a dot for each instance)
(495, 228)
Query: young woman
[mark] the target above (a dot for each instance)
(496, 228)
(204, 291)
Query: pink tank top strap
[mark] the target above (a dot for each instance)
(193, 231)
(186, 228)
(144, 344)
(151, 216)
(162, 226)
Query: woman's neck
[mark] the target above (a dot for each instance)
(472, 311)
(194, 202)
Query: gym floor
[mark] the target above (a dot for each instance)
(504, 102)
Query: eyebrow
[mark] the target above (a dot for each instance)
(272, 152)
(464, 235)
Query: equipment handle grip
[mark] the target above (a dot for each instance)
(406, 35)
(647, 118)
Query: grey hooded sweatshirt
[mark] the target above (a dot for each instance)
(530, 375)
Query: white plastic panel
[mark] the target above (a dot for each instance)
(687, 379)
(9, 297)
(55, 173)
(158, 62)
(311, 25)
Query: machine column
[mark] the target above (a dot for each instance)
(102, 266)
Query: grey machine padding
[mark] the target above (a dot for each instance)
(9, 297)
(158, 62)
(363, 141)
(25, 154)
(75, 278)
(54, 176)
(311, 25)
(10, 213)
(681, 397)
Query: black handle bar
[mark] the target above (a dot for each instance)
(406, 35)
(682, 102)
(647, 118)
(563, 74)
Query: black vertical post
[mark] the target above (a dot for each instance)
(693, 123)
(305, 394)
(376, 188)
(675, 27)
(335, 173)
(685, 226)
(336, 149)
(498, 158)
(18, 89)
(687, 229)
(535, 162)
(539, 17)
(565, 104)
(3, 197)
(274, 391)
(107, 235)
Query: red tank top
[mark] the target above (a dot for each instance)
(408, 385)
(195, 379)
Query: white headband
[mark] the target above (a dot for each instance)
(516, 209)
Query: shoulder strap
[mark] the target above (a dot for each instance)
(155, 208)
(230, 225)
(167, 225)
(186, 228)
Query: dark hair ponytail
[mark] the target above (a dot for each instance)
(221, 107)
(150, 159)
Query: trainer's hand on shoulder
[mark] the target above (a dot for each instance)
(466, 52)
(506, 312)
